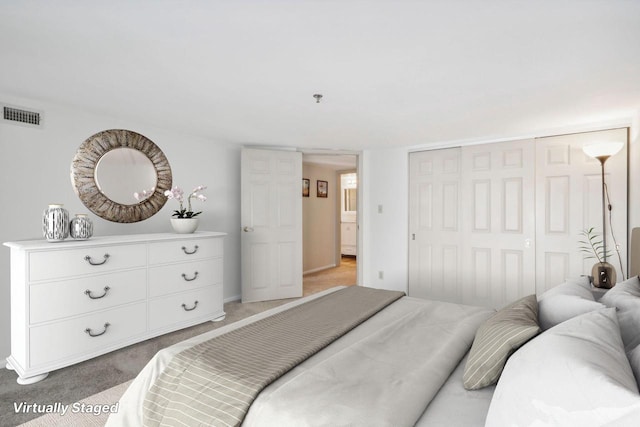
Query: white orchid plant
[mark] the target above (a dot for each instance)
(177, 194)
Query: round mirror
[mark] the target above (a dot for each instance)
(121, 175)
(122, 170)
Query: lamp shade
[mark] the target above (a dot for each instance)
(602, 149)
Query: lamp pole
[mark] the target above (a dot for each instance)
(604, 221)
(602, 151)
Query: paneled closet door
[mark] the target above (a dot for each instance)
(569, 200)
(434, 225)
(498, 222)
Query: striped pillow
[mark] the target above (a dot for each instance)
(497, 338)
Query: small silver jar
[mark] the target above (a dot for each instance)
(81, 227)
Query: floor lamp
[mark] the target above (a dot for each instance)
(602, 151)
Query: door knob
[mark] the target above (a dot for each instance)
(248, 229)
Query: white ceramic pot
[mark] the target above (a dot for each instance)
(184, 225)
(55, 223)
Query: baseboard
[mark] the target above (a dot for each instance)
(232, 299)
(315, 270)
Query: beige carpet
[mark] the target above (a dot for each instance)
(83, 417)
(345, 274)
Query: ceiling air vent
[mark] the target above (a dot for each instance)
(21, 116)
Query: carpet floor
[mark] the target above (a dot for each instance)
(100, 380)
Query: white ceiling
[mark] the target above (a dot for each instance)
(393, 73)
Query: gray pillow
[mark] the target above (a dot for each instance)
(625, 297)
(565, 301)
(575, 374)
(634, 360)
(578, 286)
(497, 338)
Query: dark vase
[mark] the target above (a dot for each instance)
(604, 275)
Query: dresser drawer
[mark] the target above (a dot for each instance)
(184, 250)
(171, 278)
(180, 308)
(66, 339)
(73, 262)
(349, 250)
(55, 300)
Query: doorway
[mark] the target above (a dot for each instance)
(327, 260)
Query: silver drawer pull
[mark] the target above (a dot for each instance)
(88, 330)
(195, 276)
(195, 249)
(90, 261)
(195, 304)
(88, 292)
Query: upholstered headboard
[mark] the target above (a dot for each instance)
(634, 264)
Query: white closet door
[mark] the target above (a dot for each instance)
(492, 223)
(435, 232)
(498, 222)
(569, 200)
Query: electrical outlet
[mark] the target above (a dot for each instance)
(380, 274)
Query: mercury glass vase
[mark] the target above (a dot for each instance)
(604, 275)
(55, 223)
(81, 227)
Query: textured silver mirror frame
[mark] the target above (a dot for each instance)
(84, 183)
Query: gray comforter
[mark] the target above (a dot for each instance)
(215, 382)
(383, 373)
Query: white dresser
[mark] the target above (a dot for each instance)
(74, 300)
(348, 244)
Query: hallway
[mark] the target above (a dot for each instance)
(344, 274)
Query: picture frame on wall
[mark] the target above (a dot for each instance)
(306, 185)
(322, 189)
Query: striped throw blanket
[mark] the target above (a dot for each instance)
(215, 382)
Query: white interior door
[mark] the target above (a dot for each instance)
(498, 222)
(434, 225)
(569, 200)
(271, 220)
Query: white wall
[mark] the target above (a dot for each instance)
(34, 171)
(385, 183)
(319, 220)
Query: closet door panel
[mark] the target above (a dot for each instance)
(569, 200)
(495, 222)
(434, 243)
(499, 224)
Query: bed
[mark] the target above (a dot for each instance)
(430, 363)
